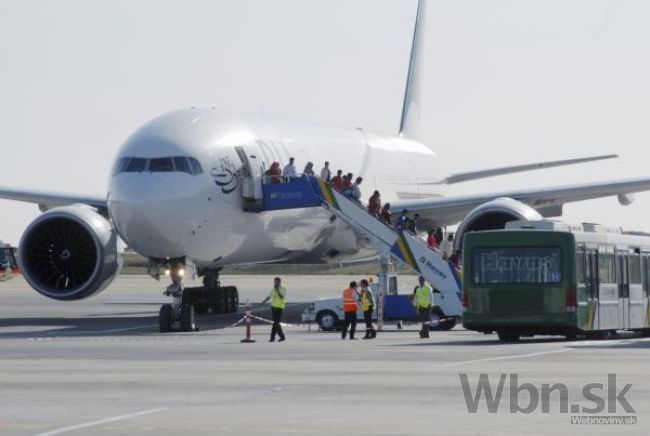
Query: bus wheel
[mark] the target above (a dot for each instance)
(508, 337)
(597, 334)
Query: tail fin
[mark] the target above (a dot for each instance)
(410, 122)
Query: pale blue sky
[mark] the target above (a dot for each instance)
(507, 82)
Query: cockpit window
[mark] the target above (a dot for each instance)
(161, 165)
(196, 166)
(182, 165)
(136, 165)
(120, 165)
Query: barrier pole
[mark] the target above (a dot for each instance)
(248, 339)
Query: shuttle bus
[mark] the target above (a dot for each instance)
(549, 278)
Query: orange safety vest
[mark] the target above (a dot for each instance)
(349, 302)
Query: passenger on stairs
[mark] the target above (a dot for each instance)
(374, 204)
(413, 224)
(274, 173)
(402, 221)
(386, 216)
(447, 246)
(431, 239)
(289, 169)
(347, 185)
(309, 170)
(337, 180)
(325, 173)
(356, 191)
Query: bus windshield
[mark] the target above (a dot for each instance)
(511, 265)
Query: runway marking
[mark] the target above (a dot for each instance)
(514, 356)
(102, 421)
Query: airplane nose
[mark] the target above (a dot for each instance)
(139, 205)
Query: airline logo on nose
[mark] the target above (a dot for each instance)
(225, 175)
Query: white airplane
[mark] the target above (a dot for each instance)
(176, 196)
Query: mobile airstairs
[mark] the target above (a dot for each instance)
(404, 247)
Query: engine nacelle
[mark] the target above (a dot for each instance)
(69, 253)
(494, 215)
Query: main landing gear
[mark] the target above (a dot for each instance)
(209, 298)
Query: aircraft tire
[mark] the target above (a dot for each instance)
(165, 318)
(187, 318)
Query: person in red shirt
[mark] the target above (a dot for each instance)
(374, 204)
(431, 239)
(274, 173)
(347, 181)
(337, 181)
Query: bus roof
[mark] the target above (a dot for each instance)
(589, 234)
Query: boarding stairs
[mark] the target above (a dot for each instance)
(404, 247)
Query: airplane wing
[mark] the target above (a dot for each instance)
(48, 200)
(466, 176)
(548, 201)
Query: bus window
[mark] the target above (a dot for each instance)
(646, 273)
(580, 265)
(510, 265)
(592, 273)
(606, 268)
(635, 269)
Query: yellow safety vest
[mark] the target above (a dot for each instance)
(422, 296)
(277, 299)
(365, 300)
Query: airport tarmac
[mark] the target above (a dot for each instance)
(99, 366)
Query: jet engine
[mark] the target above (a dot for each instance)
(494, 215)
(69, 253)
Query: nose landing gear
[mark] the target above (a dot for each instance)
(178, 311)
(209, 298)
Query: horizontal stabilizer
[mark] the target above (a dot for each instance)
(499, 171)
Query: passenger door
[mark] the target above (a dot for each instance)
(250, 171)
(592, 282)
(622, 275)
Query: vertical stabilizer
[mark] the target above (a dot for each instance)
(410, 122)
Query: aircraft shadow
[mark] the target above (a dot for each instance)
(124, 324)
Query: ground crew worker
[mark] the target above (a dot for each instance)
(423, 300)
(350, 296)
(367, 300)
(278, 297)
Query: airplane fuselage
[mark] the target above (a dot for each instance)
(183, 211)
